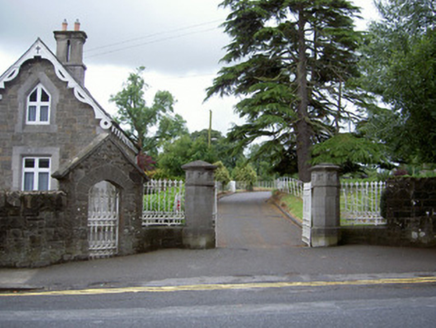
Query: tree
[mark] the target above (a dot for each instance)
(263, 161)
(350, 151)
(225, 150)
(246, 174)
(204, 134)
(174, 155)
(169, 128)
(290, 60)
(140, 118)
(222, 175)
(399, 67)
(182, 151)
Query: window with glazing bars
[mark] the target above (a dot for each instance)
(36, 173)
(38, 106)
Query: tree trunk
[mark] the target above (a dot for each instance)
(303, 128)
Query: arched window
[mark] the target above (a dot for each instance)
(38, 106)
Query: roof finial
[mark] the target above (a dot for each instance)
(64, 25)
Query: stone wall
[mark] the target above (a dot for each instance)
(411, 209)
(154, 238)
(410, 212)
(33, 229)
(42, 228)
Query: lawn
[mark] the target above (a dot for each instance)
(293, 205)
(169, 200)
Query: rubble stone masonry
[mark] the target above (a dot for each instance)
(33, 228)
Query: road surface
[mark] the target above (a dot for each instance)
(248, 220)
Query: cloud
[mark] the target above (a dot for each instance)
(170, 36)
(189, 91)
(179, 42)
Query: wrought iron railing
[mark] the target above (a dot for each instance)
(360, 203)
(290, 186)
(164, 203)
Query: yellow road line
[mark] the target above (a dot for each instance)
(215, 287)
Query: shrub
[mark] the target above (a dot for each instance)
(222, 174)
(246, 174)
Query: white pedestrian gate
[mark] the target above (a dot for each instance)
(307, 213)
(103, 220)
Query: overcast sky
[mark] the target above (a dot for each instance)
(179, 42)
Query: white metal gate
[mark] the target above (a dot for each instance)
(103, 208)
(307, 213)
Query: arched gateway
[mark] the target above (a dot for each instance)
(103, 220)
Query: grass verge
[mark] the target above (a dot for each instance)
(293, 205)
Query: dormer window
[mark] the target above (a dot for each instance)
(38, 106)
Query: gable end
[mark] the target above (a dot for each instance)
(39, 49)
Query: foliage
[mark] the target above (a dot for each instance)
(183, 151)
(175, 155)
(222, 174)
(245, 174)
(169, 128)
(145, 162)
(161, 174)
(222, 147)
(194, 147)
(348, 151)
(140, 118)
(290, 61)
(204, 134)
(399, 67)
(262, 160)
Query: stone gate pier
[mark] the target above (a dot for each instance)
(325, 229)
(199, 231)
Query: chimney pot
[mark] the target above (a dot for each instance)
(77, 25)
(64, 25)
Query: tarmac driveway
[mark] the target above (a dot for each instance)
(248, 220)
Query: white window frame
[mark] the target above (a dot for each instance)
(36, 170)
(38, 104)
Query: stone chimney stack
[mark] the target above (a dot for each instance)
(69, 49)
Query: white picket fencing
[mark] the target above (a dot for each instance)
(164, 203)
